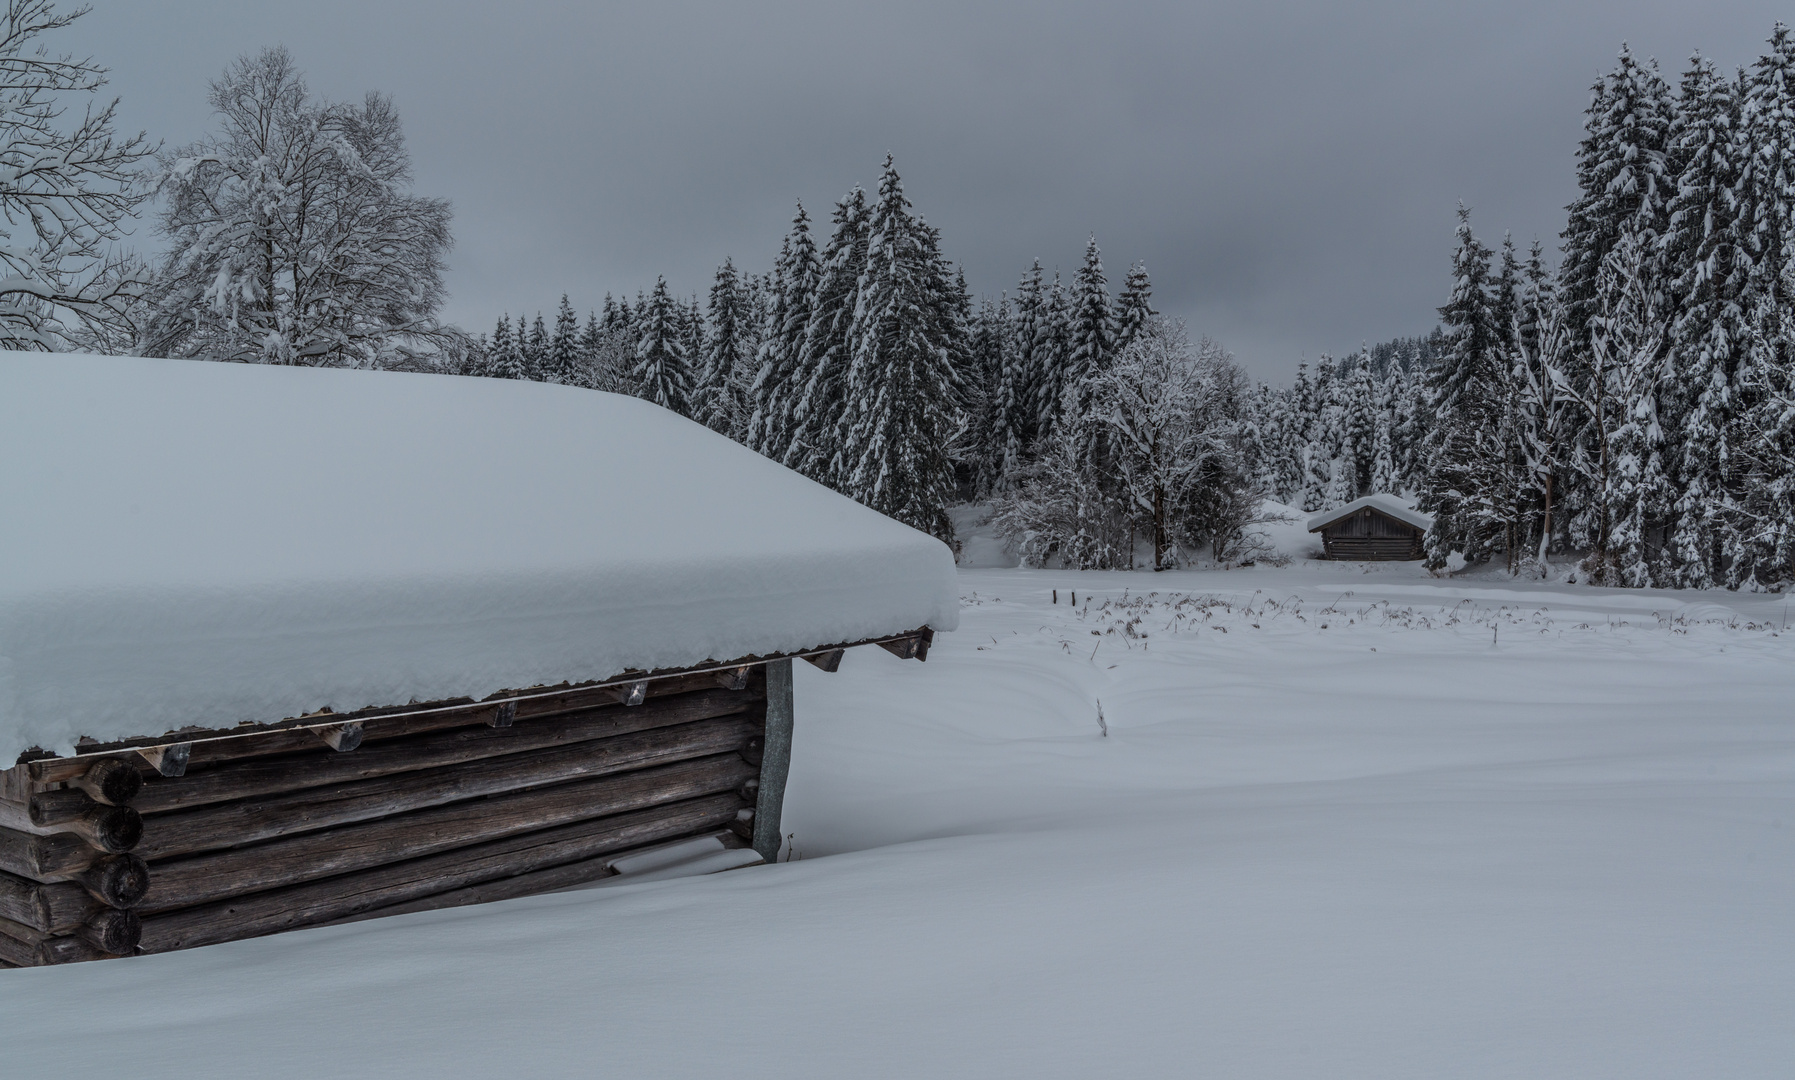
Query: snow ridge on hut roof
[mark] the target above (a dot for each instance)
(194, 543)
(1392, 505)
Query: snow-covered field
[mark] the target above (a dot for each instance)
(1344, 823)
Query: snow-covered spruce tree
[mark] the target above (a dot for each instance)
(662, 373)
(1622, 177)
(1018, 407)
(1134, 307)
(822, 370)
(68, 184)
(779, 380)
(505, 357)
(1759, 551)
(717, 396)
(615, 316)
(536, 356)
(1467, 395)
(1361, 425)
(988, 337)
(563, 363)
(1090, 322)
(900, 416)
(292, 236)
(1052, 359)
(1707, 276)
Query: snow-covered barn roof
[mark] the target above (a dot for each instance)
(189, 543)
(1385, 504)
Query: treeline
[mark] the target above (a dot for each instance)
(1637, 406)
(862, 362)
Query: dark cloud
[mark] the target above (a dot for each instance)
(1288, 172)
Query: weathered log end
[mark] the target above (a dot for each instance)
(503, 716)
(112, 781)
(169, 759)
(752, 749)
(733, 678)
(633, 693)
(119, 881)
(116, 829)
(828, 661)
(112, 931)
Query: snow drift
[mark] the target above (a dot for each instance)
(191, 543)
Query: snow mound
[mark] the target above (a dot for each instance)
(192, 543)
(1280, 537)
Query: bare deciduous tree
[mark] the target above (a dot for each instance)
(294, 239)
(67, 187)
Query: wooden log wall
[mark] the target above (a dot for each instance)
(113, 855)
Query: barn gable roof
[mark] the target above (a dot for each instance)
(194, 543)
(1390, 505)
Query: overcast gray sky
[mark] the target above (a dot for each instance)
(1287, 172)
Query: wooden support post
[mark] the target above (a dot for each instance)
(169, 759)
(733, 678)
(776, 759)
(340, 737)
(828, 661)
(503, 716)
(112, 781)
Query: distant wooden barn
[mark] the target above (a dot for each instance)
(1372, 528)
(364, 643)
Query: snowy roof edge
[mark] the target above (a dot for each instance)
(1388, 504)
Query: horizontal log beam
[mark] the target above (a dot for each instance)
(199, 879)
(52, 857)
(555, 878)
(109, 828)
(274, 776)
(254, 820)
(212, 747)
(389, 885)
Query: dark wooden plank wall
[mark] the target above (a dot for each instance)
(1369, 535)
(274, 833)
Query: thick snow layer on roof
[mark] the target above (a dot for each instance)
(1396, 507)
(188, 543)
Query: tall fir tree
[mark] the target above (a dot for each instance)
(718, 402)
(563, 364)
(827, 352)
(1710, 334)
(1052, 359)
(779, 380)
(1134, 307)
(663, 373)
(505, 357)
(900, 385)
(1466, 394)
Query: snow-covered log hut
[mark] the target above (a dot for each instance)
(1372, 528)
(282, 647)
